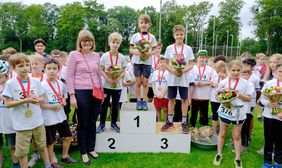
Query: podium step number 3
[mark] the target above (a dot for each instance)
(141, 133)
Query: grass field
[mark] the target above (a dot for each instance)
(196, 159)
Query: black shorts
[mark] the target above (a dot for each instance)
(172, 91)
(227, 122)
(142, 70)
(150, 93)
(62, 128)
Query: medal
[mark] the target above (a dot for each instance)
(175, 50)
(201, 74)
(28, 113)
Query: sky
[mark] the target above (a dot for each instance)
(246, 16)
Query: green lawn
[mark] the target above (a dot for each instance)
(197, 158)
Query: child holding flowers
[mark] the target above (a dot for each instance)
(233, 94)
(271, 99)
(113, 66)
(180, 57)
(142, 47)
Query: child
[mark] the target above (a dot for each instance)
(272, 124)
(39, 46)
(246, 129)
(219, 75)
(22, 94)
(233, 116)
(177, 80)
(126, 82)
(112, 87)
(142, 68)
(60, 57)
(55, 120)
(201, 90)
(153, 69)
(260, 67)
(6, 126)
(37, 65)
(159, 85)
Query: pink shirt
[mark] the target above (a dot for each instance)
(78, 75)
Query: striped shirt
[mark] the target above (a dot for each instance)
(78, 75)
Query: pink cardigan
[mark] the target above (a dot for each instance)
(78, 76)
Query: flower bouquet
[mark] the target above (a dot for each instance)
(73, 128)
(114, 72)
(178, 63)
(226, 97)
(143, 46)
(273, 94)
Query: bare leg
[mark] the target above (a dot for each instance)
(236, 133)
(45, 156)
(221, 137)
(171, 104)
(214, 127)
(66, 146)
(145, 88)
(23, 161)
(158, 110)
(14, 158)
(137, 87)
(50, 149)
(184, 107)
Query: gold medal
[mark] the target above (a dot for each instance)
(28, 113)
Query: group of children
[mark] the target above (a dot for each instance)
(37, 99)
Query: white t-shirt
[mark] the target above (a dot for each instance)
(40, 79)
(174, 80)
(12, 74)
(6, 125)
(256, 70)
(215, 79)
(106, 63)
(52, 117)
(62, 73)
(135, 39)
(13, 91)
(267, 110)
(154, 67)
(255, 80)
(253, 98)
(155, 80)
(242, 88)
(203, 92)
(123, 95)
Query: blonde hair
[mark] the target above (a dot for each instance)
(211, 59)
(9, 50)
(221, 64)
(178, 28)
(18, 58)
(64, 54)
(37, 57)
(56, 52)
(235, 62)
(84, 35)
(145, 18)
(260, 55)
(278, 57)
(115, 36)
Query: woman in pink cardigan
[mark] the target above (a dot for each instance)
(84, 64)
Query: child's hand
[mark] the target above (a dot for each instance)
(137, 52)
(110, 80)
(57, 107)
(273, 104)
(279, 115)
(64, 102)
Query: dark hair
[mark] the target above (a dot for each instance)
(279, 64)
(39, 41)
(52, 61)
(219, 58)
(250, 61)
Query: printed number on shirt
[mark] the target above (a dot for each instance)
(204, 78)
(226, 112)
(22, 94)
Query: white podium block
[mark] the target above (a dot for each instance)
(137, 122)
(109, 141)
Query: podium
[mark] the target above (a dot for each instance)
(139, 132)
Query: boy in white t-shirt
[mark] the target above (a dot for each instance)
(201, 90)
(142, 61)
(22, 94)
(112, 87)
(177, 79)
(55, 120)
(159, 85)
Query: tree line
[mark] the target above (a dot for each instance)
(21, 24)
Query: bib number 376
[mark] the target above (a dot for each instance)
(225, 111)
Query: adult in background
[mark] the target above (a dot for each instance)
(39, 46)
(83, 73)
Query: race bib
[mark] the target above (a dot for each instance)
(226, 112)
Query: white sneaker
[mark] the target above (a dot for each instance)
(34, 159)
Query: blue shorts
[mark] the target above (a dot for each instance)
(142, 70)
(10, 140)
(227, 122)
(172, 91)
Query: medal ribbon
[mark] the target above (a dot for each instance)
(111, 58)
(236, 83)
(26, 93)
(201, 74)
(175, 50)
(144, 37)
(54, 91)
(160, 78)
